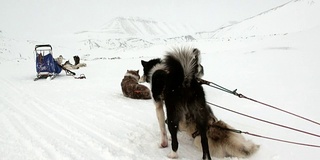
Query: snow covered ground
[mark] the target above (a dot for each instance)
(72, 119)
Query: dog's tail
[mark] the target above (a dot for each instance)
(183, 65)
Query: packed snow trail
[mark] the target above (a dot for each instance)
(66, 118)
(69, 118)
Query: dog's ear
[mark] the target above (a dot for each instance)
(143, 63)
(76, 60)
(138, 71)
(196, 51)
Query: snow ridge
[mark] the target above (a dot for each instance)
(134, 32)
(136, 26)
(294, 16)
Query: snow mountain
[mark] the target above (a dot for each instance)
(280, 20)
(144, 27)
(125, 33)
(128, 33)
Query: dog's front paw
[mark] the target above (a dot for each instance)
(173, 155)
(164, 141)
(163, 144)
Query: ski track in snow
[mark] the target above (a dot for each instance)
(85, 119)
(43, 126)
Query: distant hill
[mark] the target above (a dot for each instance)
(144, 27)
(294, 16)
(125, 33)
(13, 49)
(121, 32)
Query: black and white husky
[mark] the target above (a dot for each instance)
(174, 81)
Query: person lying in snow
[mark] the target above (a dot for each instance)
(70, 64)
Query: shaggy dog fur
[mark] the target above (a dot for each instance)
(174, 81)
(131, 88)
(222, 142)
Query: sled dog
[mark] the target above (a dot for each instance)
(68, 65)
(222, 142)
(174, 81)
(131, 88)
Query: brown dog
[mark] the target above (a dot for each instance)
(131, 88)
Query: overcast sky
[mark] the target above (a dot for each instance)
(33, 18)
